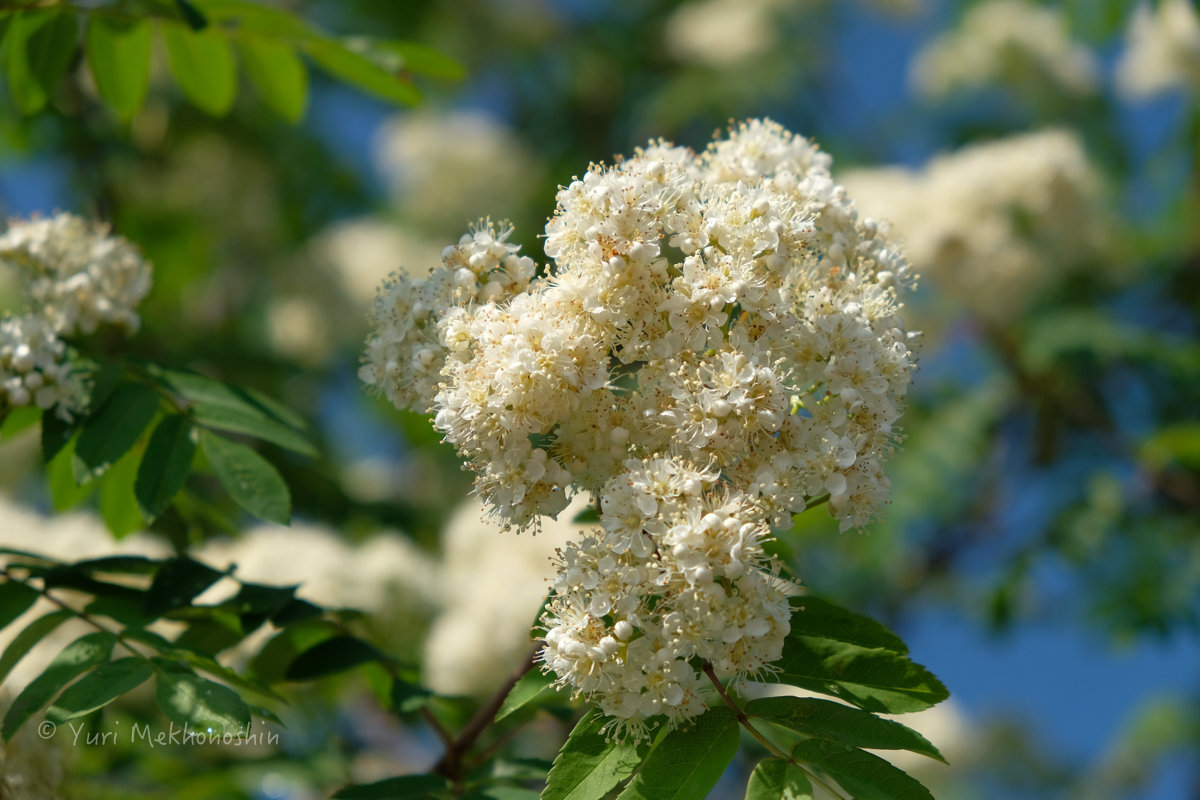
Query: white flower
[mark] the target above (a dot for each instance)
(1162, 49)
(716, 344)
(74, 277)
(1006, 42)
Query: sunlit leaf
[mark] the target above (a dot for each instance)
(76, 658)
(119, 55)
(100, 687)
(249, 478)
(689, 761)
(202, 63)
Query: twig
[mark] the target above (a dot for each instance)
(450, 764)
(744, 721)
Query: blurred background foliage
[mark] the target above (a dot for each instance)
(1051, 472)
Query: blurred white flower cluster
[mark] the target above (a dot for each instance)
(716, 345)
(74, 277)
(1162, 49)
(994, 224)
(1008, 42)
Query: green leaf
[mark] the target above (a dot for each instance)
(404, 787)
(29, 636)
(873, 679)
(331, 656)
(408, 697)
(55, 435)
(825, 719)
(76, 658)
(588, 766)
(417, 57)
(587, 516)
(191, 15)
(165, 465)
(178, 581)
(65, 493)
(112, 430)
(202, 63)
(118, 506)
(100, 687)
(336, 58)
(814, 616)
(863, 775)
(250, 422)
(777, 779)
(533, 685)
(15, 599)
(278, 74)
(256, 603)
(19, 419)
(200, 704)
(689, 761)
(51, 48)
(120, 565)
(249, 478)
(119, 55)
(24, 87)
(270, 663)
(251, 407)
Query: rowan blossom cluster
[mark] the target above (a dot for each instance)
(74, 277)
(1012, 43)
(716, 345)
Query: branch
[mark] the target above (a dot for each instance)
(450, 764)
(744, 721)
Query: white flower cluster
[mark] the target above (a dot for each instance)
(1162, 50)
(1007, 42)
(994, 224)
(75, 277)
(716, 346)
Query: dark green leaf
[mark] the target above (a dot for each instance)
(256, 18)
(689, 761)
(331, 656)
(777, 779)
(191, 15)
(533, 684)
(100, 687)
(15, 599)
(77, 657)
(588, 515)
(408, 697)
(296, 610)
(202, 63)
(270, 663)
(51, 48)
(55, 435)
(338, 60)
(112, 430)
(249, 478)
(256, 603)
(863, 775)
(165, 464)
(873, 679)
(213, 634)
(250, 422)
(178, 581)
(404, 787)
(825, 719)
(118, 506)
(814, 616)
(119, 55)
(588, 766)
(23, 85)
(201, 704)
(24, 641)
(278, 74)
(120, 565)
